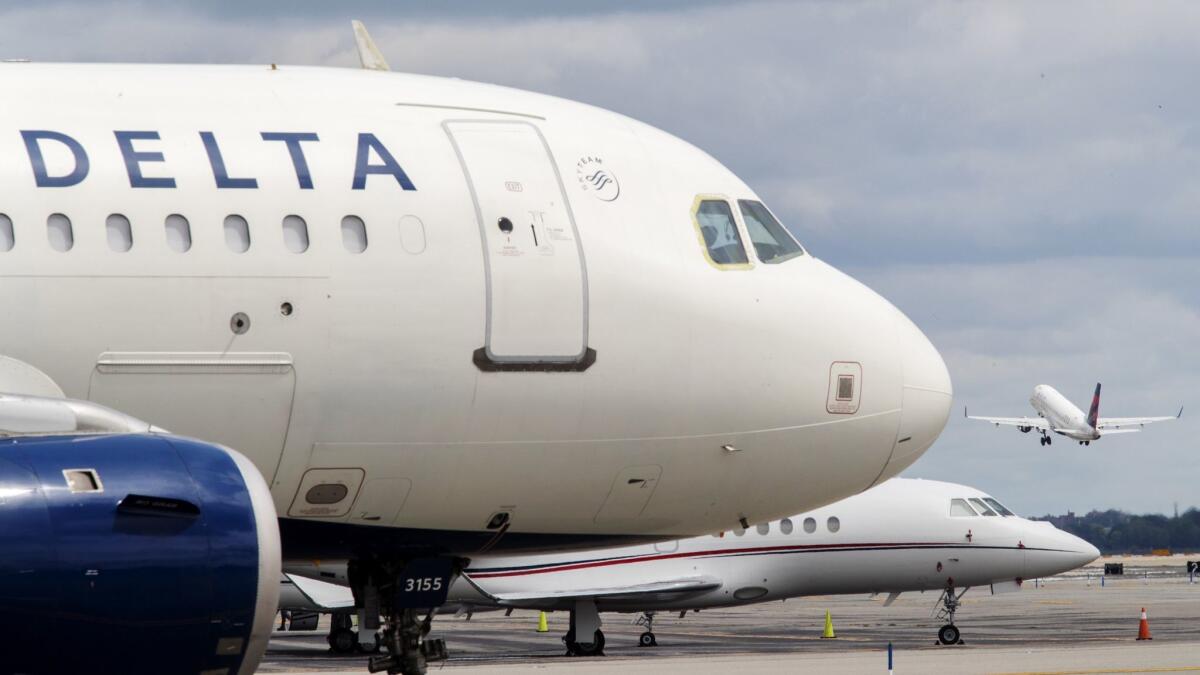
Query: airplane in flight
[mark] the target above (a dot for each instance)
(1058, 415)
(440, 318)
(903, 535)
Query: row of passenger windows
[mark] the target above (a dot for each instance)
(833, 524)
(974, 506)
(177, 231)
(718, 229)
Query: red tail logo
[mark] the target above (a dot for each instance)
(1094, 413)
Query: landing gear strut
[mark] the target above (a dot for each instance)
(585, 621)
(1046, 440)
(401, 591)
(647, 639)
(949, 633)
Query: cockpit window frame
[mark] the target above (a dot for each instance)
(962, 502)
(985, 510)
(999, 508)
(743, 237)
(740, 211)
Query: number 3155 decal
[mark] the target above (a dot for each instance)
(421, 584)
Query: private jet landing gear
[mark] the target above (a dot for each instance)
(342, 639)
(585, 620)
(949, 633)
(401, 591)
(647, 639)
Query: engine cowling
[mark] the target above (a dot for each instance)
(134, 553)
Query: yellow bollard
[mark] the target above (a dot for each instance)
(828, 634)
(542, 627)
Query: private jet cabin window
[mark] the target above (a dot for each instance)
(59, 232)
(719, 233)
(772, 242)
(785, 526)
(959, 508)
(6, 234)
(178, 232)
(810, 525)
(120, 234)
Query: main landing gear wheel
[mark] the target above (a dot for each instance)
(593, 648)
(647, 639)
(342, 641)
(949, 635)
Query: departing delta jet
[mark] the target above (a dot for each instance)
(438, 317)
(1058, 415)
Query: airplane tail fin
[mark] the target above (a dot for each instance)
(1094, 413)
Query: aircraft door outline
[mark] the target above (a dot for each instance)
(535, 273)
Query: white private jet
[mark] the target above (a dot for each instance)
(1058, 415)
(903, 535)
(439, 317)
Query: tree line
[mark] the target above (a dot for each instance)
(1115, 531)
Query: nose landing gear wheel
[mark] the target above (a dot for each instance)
(593, 648)
(949, 635)
(647, 639)
(342, 641)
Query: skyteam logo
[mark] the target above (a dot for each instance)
(596, 179)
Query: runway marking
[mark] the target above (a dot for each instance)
(1103, 670)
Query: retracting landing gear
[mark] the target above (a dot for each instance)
(401, 591)
(647, 639)
(1046, 440)
(949, 633)
(585, 620)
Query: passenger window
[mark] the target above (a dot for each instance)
(237, 234)
(810, 525)
(998, 507)
(737, 531)
(120, 235)
(7, 239)
(772, 242)
(354, 234)
(179, 233)
(785, 526)
(763, 528)
(295, 234)
(59, 232)
(719, 233)
(983, 508)
(959, 508)
(833, 524)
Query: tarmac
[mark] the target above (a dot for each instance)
(1078, 624)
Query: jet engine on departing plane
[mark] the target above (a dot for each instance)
(126, 551)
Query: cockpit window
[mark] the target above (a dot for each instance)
(772, 242)
(719, 233)
(959, 508)
(983, 508)
(998, 507)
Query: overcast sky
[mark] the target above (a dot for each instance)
(1020, 178)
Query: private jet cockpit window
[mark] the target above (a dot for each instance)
(772, 242)
(719, 232)
(999, 508)
(959, 508)
(983, 508)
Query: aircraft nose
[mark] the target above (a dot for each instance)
(1053, 552)
(925, 399)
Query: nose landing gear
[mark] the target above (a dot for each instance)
(950, 601)
(647, 639)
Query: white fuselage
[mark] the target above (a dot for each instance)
(1063, 416)
(588, 373)
(898, 536)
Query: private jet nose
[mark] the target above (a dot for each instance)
(925, 397)
(1049, 551)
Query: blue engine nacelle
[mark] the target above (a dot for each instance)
(133, 553)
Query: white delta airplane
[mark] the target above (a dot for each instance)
(903, 535)
(1058, 415)
(438, 317)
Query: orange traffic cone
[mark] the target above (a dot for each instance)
(1144, 627)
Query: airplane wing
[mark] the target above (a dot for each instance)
(1111, 424)
(1032, 422)
(685, 585)
(324, 595)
